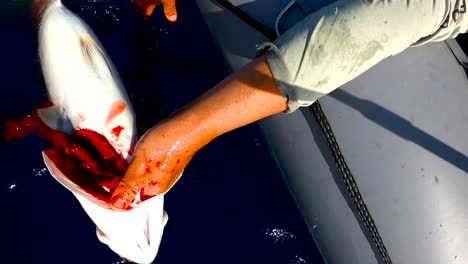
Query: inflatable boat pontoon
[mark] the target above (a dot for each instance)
(400, 127)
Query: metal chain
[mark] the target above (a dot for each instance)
(349, 180)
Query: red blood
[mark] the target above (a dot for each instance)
(37, 10)
(149, 162)
(106, 151)
(83, 156)
(44, 104)
(158, 164)
(11, 131)
(117, 130)
(116, 109)
(86, 157)
(130, 151)
(20, 129)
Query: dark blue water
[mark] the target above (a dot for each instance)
(231, 205)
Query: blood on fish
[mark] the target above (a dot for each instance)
(130, 151)
(116, 131)
(116, 109)
(85, 157)
(100, 143)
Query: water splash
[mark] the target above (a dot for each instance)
(108, 13)
(101, 15)
(280, 234)
(298, 260)
(120, 262)
(256, 141)
(165, 30)
(39, 172)
(9, 186)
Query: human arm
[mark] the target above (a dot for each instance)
(344, 39)
(163, 152)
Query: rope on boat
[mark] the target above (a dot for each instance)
(349, 180)
(327, 131)
(270, 34)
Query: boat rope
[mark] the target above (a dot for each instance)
(349, 180)
(269, 33)
(281, 14)
(327, 131)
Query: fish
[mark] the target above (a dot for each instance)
(90, 121)
(81, 81)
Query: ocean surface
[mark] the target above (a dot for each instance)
(230, 206)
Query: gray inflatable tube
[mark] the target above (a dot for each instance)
(402, 128)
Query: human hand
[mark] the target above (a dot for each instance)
(146, 8)
(159, 159)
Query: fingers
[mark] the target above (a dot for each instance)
(124, 195)
(158, 161)
(127, 189)
(152, 179)
(146, 8)
(170, 10)
(149, 11)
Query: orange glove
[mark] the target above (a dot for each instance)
(146, 8)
